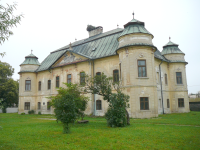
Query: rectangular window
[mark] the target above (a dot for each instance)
(120, 71)
(82, 77)
(180, 102)
(98, 105)
(49, 84)
(39, 86)
(179, 78)
(115, 75)
(142, 68)
(39, 105)
(57, 82)
(27, 85)
(166, 79)
(69, 78)
(168, 103)
(144, 103)
(27, 106)
(48, 106)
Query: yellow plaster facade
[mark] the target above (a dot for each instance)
(159, 85)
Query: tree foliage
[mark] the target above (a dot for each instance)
(117, 115)
(7, 21)
(69, 105)
(9, 88)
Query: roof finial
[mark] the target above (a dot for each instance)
(31, 51)
(117, 26)
(133, 15)
(70, 46)
(169, 38)
(75, 39)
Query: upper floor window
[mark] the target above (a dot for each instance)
(98, 105)
(27, 85)
(142, 68)
(180, 102)
(179, 78)
(120, 70)
(69, 78)
(27, 106)
(168, 103)
(39, 105)
(144, 103)
(165, 78)
(116, 75)
(39, 86)
(57, 81)
(98, 73)
(49, 84)
(82, 77)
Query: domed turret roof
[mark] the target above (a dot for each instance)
(31, 60)
(171, 48)
(134, 26)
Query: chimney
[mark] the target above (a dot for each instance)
(94, 30)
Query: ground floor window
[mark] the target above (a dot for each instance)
(39, 105)
(181, 102)
(98, 105)
(27, 106)
(144, 103)
(167, 103)
(48, 106)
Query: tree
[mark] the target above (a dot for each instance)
(117, 115)
(69, 105)
(7, 21)
(9, 88)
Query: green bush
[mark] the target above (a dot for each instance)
(31, 112)
(22, 113)
(116, 115)
(39, 113)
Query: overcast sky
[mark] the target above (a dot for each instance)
(48, 25)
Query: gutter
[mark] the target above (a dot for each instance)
(161, 86)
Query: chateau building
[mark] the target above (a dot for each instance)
(155, 81)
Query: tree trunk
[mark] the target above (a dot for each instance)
(128, 119)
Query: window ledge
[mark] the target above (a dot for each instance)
(179, 84)
(142, 78)
(145, 110)
(27, 91)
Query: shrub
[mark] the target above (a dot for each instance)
(39, 113)
(23, 113)
(31, 112)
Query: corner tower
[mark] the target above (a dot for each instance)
(177, 77)
(136, 58)
(27, 84)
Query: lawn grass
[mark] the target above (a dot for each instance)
(169, 131)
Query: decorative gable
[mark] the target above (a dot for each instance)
(69, 58)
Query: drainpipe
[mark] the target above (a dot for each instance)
(94, 94)
(161, 86)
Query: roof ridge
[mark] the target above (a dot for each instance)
(101, 35)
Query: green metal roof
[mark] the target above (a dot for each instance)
(50, 60)
(171, 48)
(134, 26)
(31, 60)
(98, 46)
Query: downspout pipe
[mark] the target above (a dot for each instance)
(94, 94)
(161, 86)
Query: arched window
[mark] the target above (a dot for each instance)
(98, 73)
(116, 75)
(98, 105)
